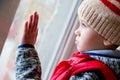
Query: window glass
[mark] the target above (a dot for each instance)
(54, 18)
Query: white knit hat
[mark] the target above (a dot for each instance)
(103, 16)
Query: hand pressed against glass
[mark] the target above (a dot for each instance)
(31, 30)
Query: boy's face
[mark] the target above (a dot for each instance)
(87, 39)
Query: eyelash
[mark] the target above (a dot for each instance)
(82, 25)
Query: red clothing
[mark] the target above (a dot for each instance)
(79, 63)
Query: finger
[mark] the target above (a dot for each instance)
(30, 22)
(35, 20)
(34, 16)
(36, 32)
(26, 27)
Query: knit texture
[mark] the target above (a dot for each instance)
(103, 16)
(28, 66)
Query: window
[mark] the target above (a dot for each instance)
(57, 23)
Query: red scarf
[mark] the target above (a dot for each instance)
(79, 63)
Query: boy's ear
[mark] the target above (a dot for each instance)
(107, 43)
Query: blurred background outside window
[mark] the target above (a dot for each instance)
(56, 19)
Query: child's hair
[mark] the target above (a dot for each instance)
(103, 16)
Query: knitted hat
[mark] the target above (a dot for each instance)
(103, 16)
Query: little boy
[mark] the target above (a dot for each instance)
(97, 38)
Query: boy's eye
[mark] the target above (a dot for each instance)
(82, 25)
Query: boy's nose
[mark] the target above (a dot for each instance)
(77, 33)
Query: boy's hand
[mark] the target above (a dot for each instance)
(31, 30)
